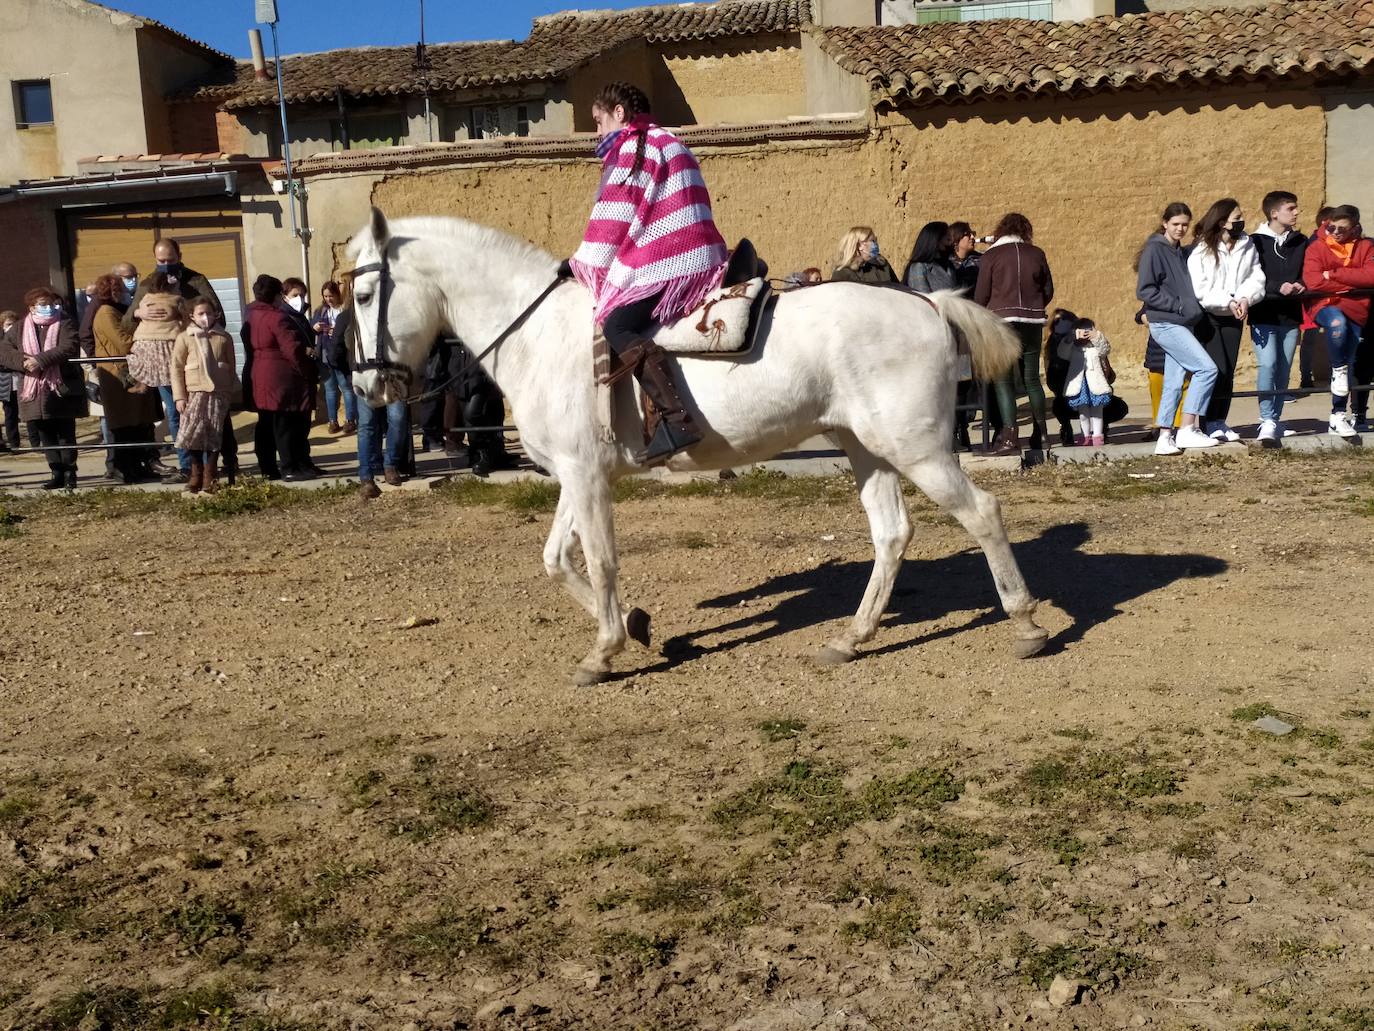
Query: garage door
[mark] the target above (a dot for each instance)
(210, 234)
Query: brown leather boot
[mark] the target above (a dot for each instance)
(197, 475)
(676, 430)
(1007, 442)
(210, 481)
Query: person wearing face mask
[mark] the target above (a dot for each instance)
(295, 300)
(1165, 287)
(203, 383)
(858, 259)
(129, 417)
(160, 318)
(278, 383)
(53, 395)
(1338, 272)
(1276, 321)
(8, 397)
(336, 385)
(185, 282)
(1014, 282)
(1227, 279)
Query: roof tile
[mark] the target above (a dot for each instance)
(964, 60)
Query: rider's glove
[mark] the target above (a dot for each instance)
(565, 269)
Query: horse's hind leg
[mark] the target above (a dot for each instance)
(945, 483)
(588, 502)
(880, 490)
(561, 566)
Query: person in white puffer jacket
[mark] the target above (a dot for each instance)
(1227, 279)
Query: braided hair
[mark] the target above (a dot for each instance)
(634, 101)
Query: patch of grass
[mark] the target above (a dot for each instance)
(185, 767)
(692, 541)
(1110, 778)
(1194, 846)
(601, 853)
(307, 906)
(645, 950)
(9, 523)
(986, 911)
(1075, 959)
(1115, 483)
(424, 804)
(531, 497)
(202, 920)
(781, 730)
(808, 799)
(1322, 738)
(741, 908)
(949, 850)
(1254, 711)
(16, 811)
(657, 812)
(757, 484)
(252, 496)
(1068, 848)
(678, 894)
(449, 935)
(613, 899)
(892, 922)
(1076, 733)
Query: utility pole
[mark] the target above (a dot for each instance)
(267, 15)
(422, 65)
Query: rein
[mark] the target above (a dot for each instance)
(383, 364)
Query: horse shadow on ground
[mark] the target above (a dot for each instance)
(1089, 588)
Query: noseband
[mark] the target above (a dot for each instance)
(385, 365)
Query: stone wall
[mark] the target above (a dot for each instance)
(1092, 175)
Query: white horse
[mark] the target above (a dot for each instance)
(875, 368)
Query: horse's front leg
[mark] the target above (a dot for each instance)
(561, 566)
(589, 502)
(880, 490)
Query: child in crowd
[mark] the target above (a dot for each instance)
(203, 382)
(1089, 383)
(162, 320)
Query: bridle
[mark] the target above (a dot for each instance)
(381, 363)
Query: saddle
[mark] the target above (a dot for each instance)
(728, 322)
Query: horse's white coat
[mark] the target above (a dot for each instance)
(876, 368)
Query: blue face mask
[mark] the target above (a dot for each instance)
(872, 250)
(45, 311)
(131, 283)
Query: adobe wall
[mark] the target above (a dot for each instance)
(719, 83)
(1091, 176)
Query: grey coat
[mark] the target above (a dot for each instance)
(928, 276)
(1164, 285)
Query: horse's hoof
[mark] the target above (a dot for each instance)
(832, 656)
(637, 626)
(588, 677)
(1025, 647)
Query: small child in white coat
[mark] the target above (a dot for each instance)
(1089, 384)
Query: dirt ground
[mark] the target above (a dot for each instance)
(238, 791)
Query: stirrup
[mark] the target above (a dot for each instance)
(667, 441)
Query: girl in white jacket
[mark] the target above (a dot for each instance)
(1227, 279)
(1089, 383)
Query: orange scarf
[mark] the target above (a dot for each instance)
(1344, 251)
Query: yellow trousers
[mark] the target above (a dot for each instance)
(1156, 390)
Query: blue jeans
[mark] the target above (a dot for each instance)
(1342, 341)
(337, 382)
(1182, 355)
(395, 420)
(169, 408)
(1275, 347)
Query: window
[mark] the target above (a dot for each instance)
(488, 121)
(1039, 10)
(371, 131)
(32, 103)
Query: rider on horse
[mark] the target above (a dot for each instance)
(651, 252)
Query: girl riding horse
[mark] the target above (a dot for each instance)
(651, 252)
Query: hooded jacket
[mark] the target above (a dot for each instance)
(1164, 284)
(1281, 259)
(1231, 274)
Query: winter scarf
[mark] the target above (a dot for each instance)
(51, 377)
(651, 230)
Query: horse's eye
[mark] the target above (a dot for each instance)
(363, 298)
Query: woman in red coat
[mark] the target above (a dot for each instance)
(279, 383)
(1339, 261)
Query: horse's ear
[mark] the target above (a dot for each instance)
(381, 232)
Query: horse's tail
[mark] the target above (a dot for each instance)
(991, 344)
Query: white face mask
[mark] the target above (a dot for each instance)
(202, 319)
(296, 303)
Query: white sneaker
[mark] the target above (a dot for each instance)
(1340, 380)
(1340, 426)
(1165, 444)
(1221, 432)
(1192, 437)
(1269, 430)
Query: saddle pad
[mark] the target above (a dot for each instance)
(720, 325)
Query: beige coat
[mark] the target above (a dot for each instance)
(188, 374)
(161, 317)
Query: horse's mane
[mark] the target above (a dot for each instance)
(468, 235)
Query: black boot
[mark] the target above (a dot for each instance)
(57, 480)
(676, 431)
(70, 483)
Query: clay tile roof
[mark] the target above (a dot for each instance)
(557, 44)
(953, 61)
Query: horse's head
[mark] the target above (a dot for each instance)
(396, 314)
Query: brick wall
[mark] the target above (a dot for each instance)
(1092, 175)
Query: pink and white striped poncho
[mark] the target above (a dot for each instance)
(651, 231)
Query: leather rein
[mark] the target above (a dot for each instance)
(383, 364)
